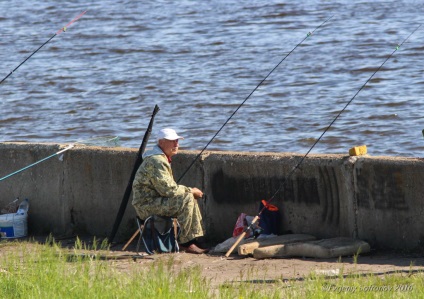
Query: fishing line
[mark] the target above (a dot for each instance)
(303, 158)
(63, 29)
(242, 103)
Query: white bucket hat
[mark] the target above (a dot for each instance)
(168, 134)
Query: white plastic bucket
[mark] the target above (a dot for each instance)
(13, 226)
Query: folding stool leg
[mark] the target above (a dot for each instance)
(130, 240)
(140, 224)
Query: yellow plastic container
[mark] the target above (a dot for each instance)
(358, 150)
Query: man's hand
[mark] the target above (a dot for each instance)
(197, 193)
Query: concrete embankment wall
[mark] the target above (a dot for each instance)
(376, 199)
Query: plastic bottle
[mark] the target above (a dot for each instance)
(23, 207)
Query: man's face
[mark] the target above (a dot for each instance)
(169, 147)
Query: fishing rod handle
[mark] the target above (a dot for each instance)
(241, 237)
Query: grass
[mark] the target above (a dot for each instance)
(47, 271)
(33, 270)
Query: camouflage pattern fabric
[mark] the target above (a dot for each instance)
(155, 192)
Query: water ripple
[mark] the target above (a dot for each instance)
(200, 61)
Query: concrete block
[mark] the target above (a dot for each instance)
(377, 199)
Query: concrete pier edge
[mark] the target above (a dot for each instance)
(375, 199)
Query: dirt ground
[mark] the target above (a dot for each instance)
(219, 269)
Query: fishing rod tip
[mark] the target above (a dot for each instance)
(63, 29)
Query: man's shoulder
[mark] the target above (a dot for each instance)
(156, 150)
(155, 160)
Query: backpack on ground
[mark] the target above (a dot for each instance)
(270, 220)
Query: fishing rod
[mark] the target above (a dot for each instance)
(137, 163)
(33, 164)
(70, 146)
(63, 29)
(315, 143)
(242, 103)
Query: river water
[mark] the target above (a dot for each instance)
(199, 60)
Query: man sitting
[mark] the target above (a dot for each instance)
(155, 192)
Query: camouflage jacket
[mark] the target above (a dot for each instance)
(154, 179)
